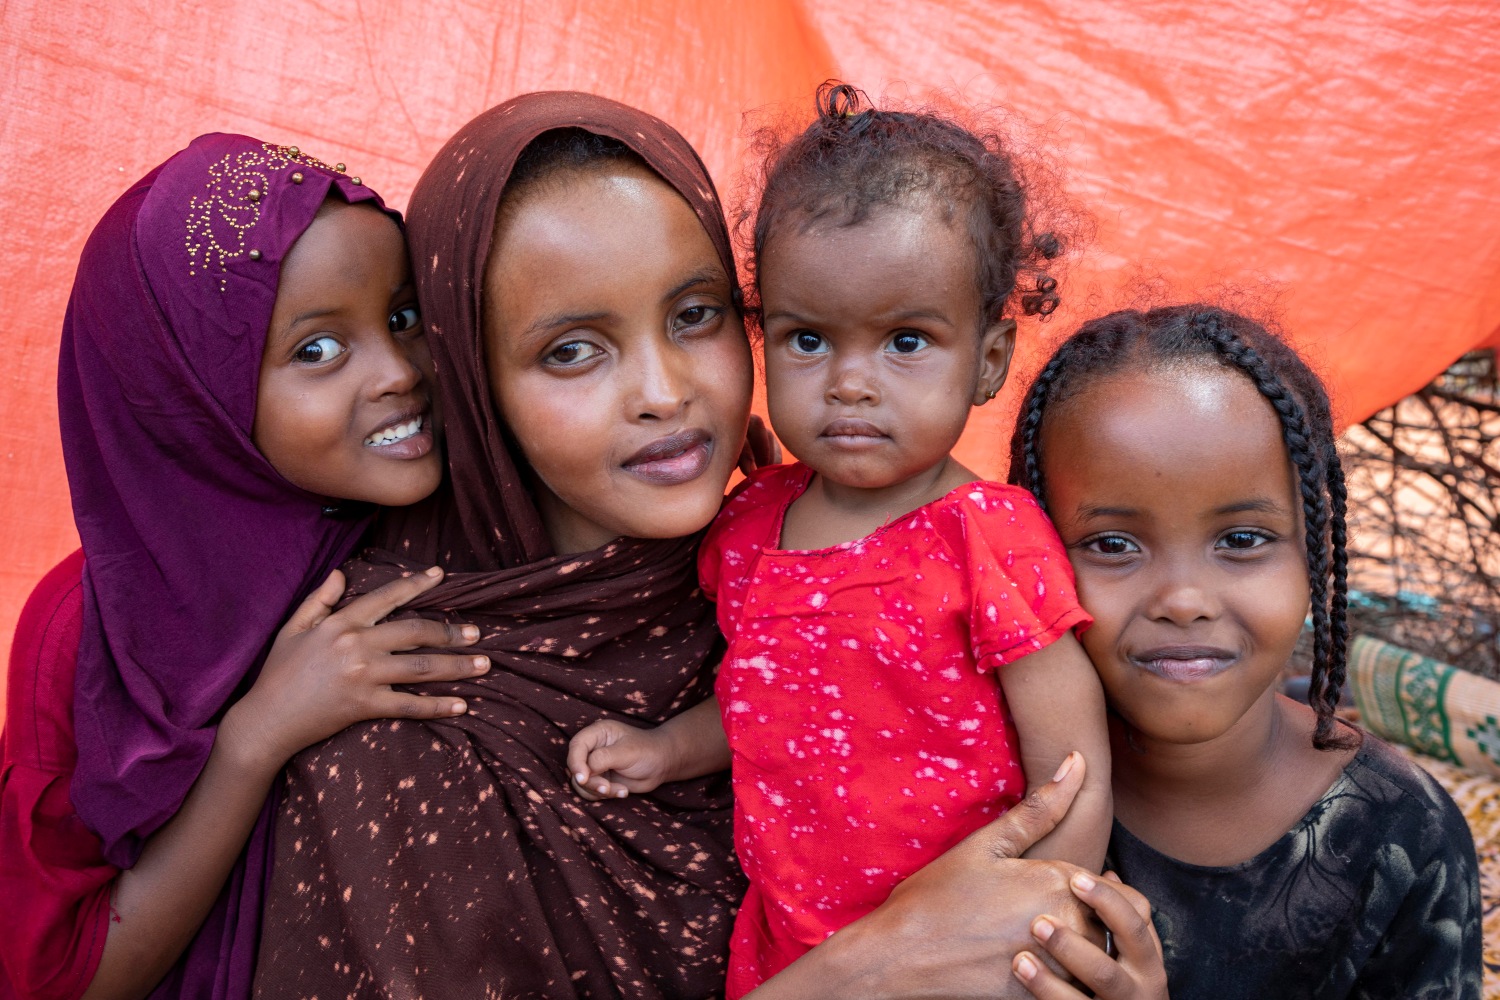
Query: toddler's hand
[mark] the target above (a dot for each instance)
(609, 759)
(1137, 972)
(760, 449)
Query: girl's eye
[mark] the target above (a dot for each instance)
(908, 343)
(574, 352)
(319, 350)
(406, 319)
(1112, 545)
(1243, 540)
(807, 342)
(696, 315)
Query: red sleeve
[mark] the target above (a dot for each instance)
(54, 880)
(744, 522)
(1023, 597)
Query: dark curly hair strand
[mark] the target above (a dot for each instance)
(854, 159)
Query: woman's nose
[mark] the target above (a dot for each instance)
(663, 382)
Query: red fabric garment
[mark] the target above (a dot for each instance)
(54, 880)
(860, 698)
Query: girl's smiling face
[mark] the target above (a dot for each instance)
(1174, 493)
(876, 343)
(344, 407)
(616, 355)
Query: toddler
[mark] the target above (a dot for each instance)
(901, 661)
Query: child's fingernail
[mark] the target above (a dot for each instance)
(603, 788)
(434, 571)
(1042, 928)
(481, 664)
(471, 632)
(580, 777)
(1082, 882)
(1064, 767)
(622, 793)
(1025, 967)
(459, 708)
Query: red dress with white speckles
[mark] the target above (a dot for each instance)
(860, 700)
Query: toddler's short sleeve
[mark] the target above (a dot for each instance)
(1023, 597)
(747, 522)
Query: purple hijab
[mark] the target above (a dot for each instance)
(195, 548)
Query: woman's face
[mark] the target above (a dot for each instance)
(344, 406)
(615, 355)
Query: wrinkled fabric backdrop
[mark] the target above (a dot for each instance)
(1340, 159)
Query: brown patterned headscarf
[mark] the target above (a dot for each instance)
(452, 855)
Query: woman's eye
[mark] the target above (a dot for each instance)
(908, 343)
(572, 353)
(1243, 540)
(1112, 545)
(319, 350)
(696, 315)
(807, 342)
(406, 319)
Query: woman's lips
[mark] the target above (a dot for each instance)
(672, 460)
(404, 436)
(1184, 663)
(851, 432)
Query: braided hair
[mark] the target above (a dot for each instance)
(854, 159)
(1129, 339)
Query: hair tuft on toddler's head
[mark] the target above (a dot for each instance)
(854, 159)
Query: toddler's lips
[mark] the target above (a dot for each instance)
(673, 460)
(851, 432)
(1185, 663)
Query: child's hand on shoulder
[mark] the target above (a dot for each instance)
(1135, 972)
(331, 668)
(609, 760)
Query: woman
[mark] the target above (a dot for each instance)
(578, 285)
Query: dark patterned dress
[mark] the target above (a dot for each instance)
(1373, 894)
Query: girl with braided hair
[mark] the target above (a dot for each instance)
(901, 662)
(1187, 458)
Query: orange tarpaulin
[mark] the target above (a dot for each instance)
(1344, 156)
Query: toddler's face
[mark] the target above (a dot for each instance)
(876, 346)
(1174, 495)
(344, 407)
(616, 356)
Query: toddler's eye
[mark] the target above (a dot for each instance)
(807, 342)
(319, 350)
(1243, 540)
(1112, 545)
(908, 343)
(404, 319)
(574, 352)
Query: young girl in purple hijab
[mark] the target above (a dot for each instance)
(244, 376)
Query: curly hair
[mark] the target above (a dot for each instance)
(1131, 339)
(854, 159)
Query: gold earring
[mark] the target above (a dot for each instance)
(990, 394)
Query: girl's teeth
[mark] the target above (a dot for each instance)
(393, 434)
